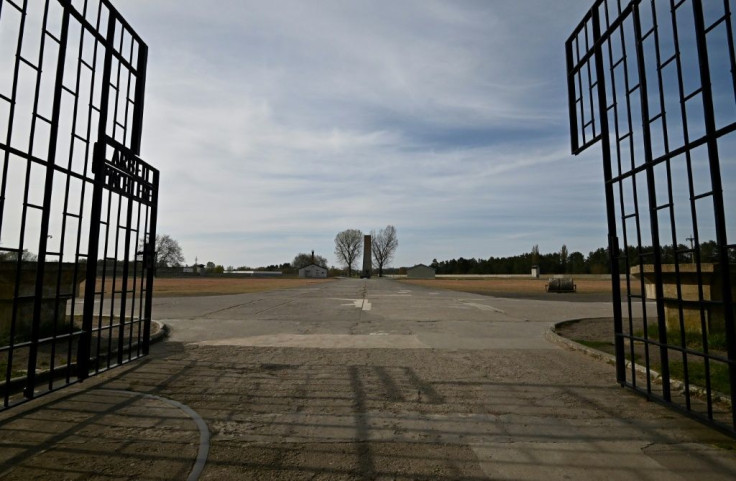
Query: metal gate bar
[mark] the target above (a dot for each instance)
(72, 83)
(655, 82)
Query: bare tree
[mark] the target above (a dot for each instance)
(383, 247)
(168, 252)
(303, 260)
(25, 256)
(535, 255)
(348, 247)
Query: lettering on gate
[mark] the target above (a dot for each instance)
(124, 173)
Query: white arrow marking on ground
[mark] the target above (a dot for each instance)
(362, 304)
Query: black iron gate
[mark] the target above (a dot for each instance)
(77, 205)
(655, 82)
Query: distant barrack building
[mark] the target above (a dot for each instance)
(420, 271)
(256, 273)
(313, 271)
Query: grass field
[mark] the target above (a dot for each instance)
(219, 286)
(587, 289)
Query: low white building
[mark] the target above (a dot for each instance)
(313, 271)
(193, 269)
(420, 271)
(255, 273)
(536, 271)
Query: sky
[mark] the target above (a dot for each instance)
(278, 124)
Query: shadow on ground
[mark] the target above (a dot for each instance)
(293, 413)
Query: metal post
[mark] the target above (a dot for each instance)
(653, 211)
(126, 271)
(574, 142)
(150, 261)
(613, 248)
(140, 89)
(85, 340)
(717, 185)
(46, 212)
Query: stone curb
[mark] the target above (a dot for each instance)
(676, 385)
(552, 336)
(161, 334)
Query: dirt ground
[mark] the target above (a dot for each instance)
(214, 286)
(588, 290)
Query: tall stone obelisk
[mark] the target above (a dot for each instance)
(366, 257)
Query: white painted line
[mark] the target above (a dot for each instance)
(362, 304)
(204, 432)
(483, 307)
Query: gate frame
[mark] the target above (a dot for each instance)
(61, 23)
(583, 79)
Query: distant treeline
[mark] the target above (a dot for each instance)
(564, 262)
(595, 263)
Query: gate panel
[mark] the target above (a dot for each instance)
(653, 81)
(117, 309)
(72, 74)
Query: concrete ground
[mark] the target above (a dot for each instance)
(359, 380)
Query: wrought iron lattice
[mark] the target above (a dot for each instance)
(77, 205)
(654, 81)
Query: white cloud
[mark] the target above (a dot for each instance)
(277, 124)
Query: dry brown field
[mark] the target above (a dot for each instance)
(218, 286)
(212, 286)
(587, 289)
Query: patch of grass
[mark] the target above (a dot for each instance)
(718, 372)
(13, 373)
(600, 345)
(591, 289)
(23, 331)
(717, 340)
(638, 358)
(693, 339)
(728, 445)
(719, 380)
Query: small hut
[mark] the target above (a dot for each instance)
(420, 271)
